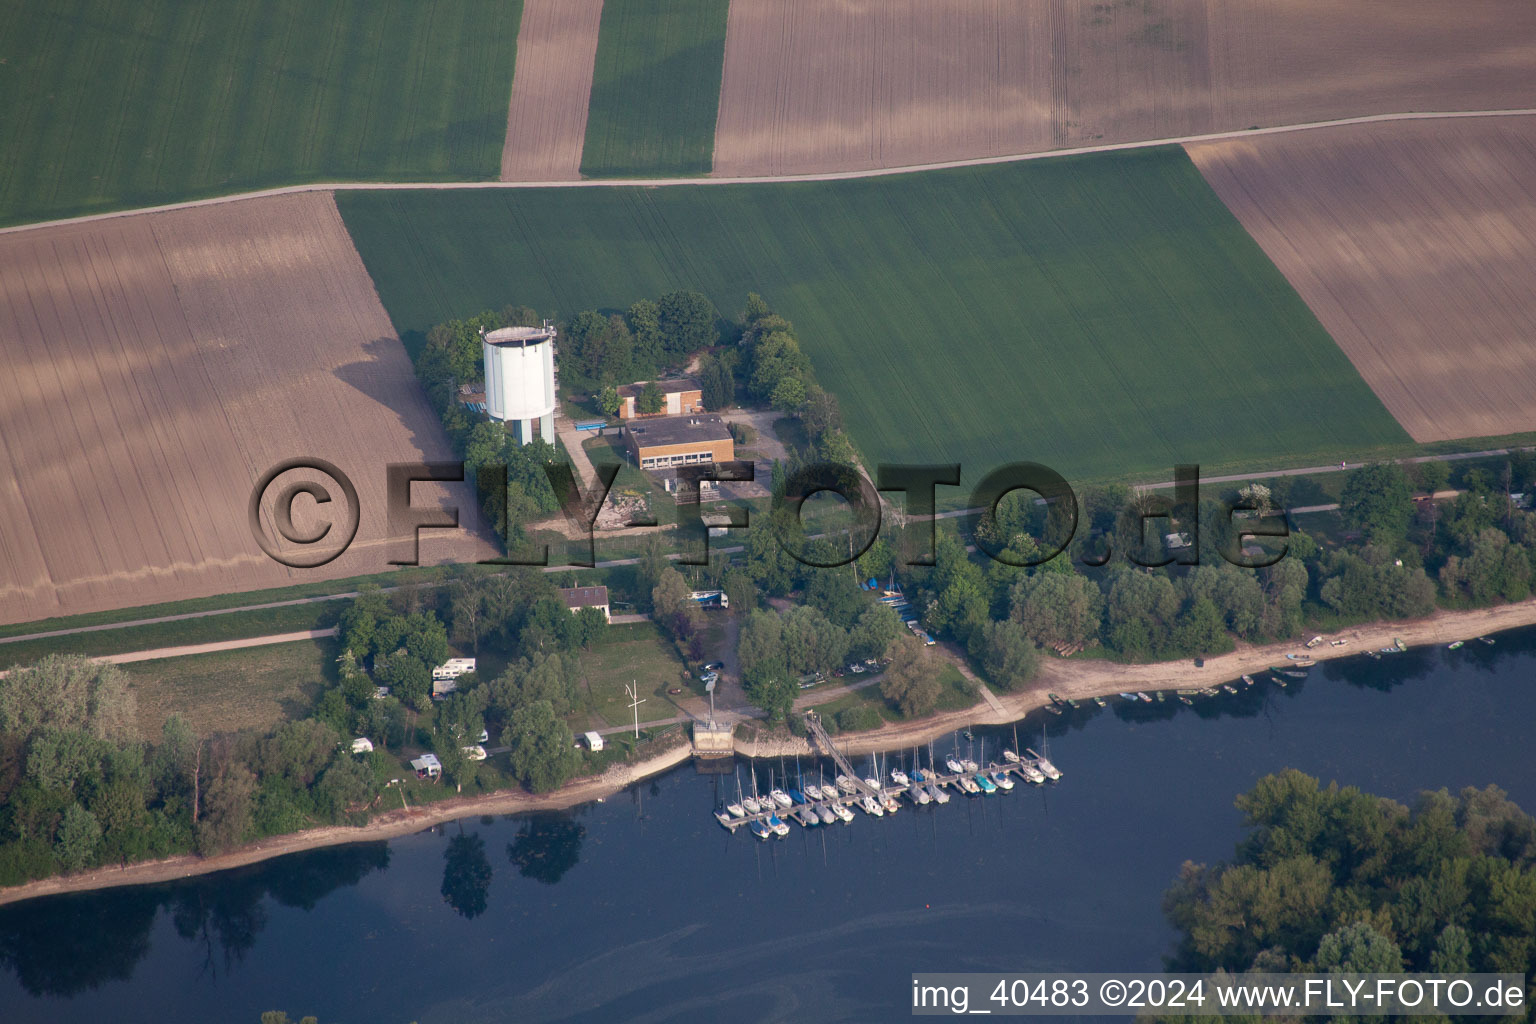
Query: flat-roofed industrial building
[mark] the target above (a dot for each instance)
(664, 442)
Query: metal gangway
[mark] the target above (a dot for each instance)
(814, 727)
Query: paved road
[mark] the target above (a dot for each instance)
(875, 172)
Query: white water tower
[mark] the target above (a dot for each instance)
(520, 379)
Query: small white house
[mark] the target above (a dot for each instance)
(362, 745)
(427, 766)
(594, 741)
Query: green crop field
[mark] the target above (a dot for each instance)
(106, 104)
(655, 88)
(1103, 315)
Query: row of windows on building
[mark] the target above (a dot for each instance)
(661, 461)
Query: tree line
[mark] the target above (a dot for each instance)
(1334, 879)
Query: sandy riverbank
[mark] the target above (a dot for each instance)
(389, 825)
(1076, 678)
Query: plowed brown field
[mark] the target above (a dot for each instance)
(156, 365)
(833, 85)
(1414, 244)
(551, 84)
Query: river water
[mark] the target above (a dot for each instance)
(641, 908)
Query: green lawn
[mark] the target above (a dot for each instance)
(628, 654)
(655, 88)
(1104, 315)
(106, 104)
(254, 688)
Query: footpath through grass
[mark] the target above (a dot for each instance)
(1104, 315)
(106, 104)
(655, 88)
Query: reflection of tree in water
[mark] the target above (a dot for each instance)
(466, 875)
(64, 945)
(546, 847)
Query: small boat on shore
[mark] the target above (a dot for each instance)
(1294, 674)
(1057, 699)
(1337, 643)
(1299, 657)
(1455, 646)
(1142, 696)
(1247, 679)
(1053, 709)
(1129, 696)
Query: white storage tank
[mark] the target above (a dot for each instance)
(520, 379)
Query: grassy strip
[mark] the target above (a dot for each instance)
(655, 88)
(110, 104)
(234, 626)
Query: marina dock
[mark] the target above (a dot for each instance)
(1032, 769)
